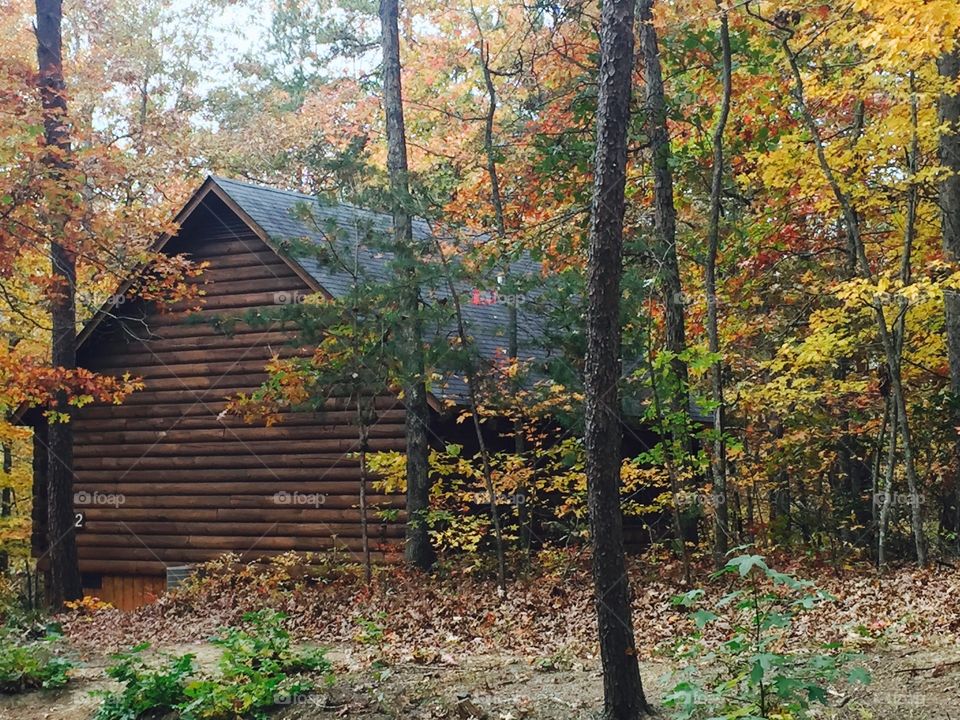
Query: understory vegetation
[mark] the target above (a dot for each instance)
(258, 670)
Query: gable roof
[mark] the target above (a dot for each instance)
(281, 215)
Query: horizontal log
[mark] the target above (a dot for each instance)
(211, 406)
(219, 273)
(348, 470)
(213, 420)
(217, 341)
(271, 281)
(264, 502)
(126, 514)
(159, 368)
(187, 398)
(147, 355)
(240, 434)
(262, 447)
(93, 566)
(214, 462)
(298, 492)
(264, 310)
(239, 243)
(205, 329)
(286, 293)
(256, 258)
(223, 543)
(158, 568)
(96, 529)
(247, 550)
(242, 380)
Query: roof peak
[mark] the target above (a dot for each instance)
(222, 180)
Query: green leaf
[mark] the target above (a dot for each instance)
(745, 563)
(859, 675)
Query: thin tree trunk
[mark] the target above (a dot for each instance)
(664, 210)
(6, 499)
(63, 581)
(496, 200)
(624, 698)
(363, 421)
(418, 550)
(473, 390)
(949, 67)
(887, 488)
(719, 458)
(875, 472)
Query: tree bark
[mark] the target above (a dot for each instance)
(949, 66)
(418, 550)
(624, 698)
(63, 580)
(665, 213)
(6, 499)
(719, 458)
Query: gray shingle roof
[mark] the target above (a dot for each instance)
(289, 216)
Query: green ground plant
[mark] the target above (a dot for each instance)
(753, 674)
(259, 669)
(28, 662)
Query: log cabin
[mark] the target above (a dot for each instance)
(167, 479)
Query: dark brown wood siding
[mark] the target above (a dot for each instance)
(164, 479)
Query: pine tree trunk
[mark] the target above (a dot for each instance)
(418, 550)
(63, 581)
(623, 691)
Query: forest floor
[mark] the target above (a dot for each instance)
(453, 648)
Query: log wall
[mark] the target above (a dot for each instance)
(165, 480)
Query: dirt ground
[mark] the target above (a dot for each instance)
(920, 684)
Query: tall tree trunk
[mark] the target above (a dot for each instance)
(665, 212)
(719, 458)
(6, 499)
(949, 66)
(63, 581)
(623, 691)
(418, 550)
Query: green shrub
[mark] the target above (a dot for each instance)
(147, 689)
(27, 663)
(751, 675)
(258, 669)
